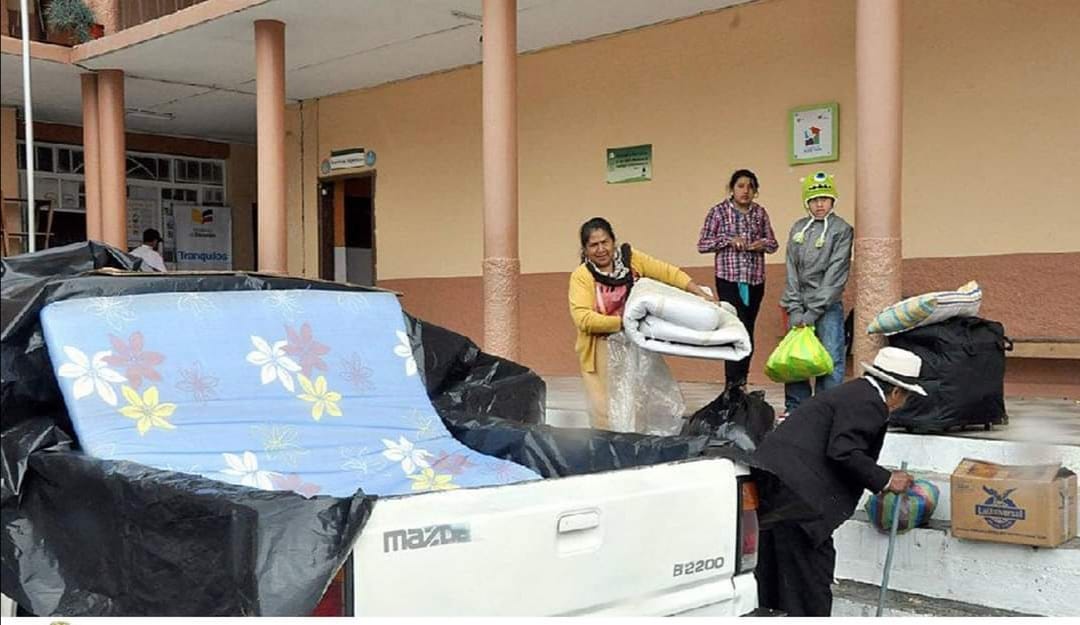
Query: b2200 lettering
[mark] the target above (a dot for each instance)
(697, 566)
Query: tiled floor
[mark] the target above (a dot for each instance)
(1043, 420)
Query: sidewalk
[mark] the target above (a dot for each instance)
(1055, 421)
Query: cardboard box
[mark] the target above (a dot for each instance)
(1023, 505)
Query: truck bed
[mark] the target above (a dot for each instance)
(642, 541)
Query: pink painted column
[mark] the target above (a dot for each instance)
(91, 156)
(270, 138)
(113, 161)
(878, 149)
(107, 13)
(502, 267)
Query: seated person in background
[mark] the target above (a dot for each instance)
(149, 251)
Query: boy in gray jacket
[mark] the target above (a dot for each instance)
(818, 262)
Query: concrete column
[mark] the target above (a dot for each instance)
(113, 161)
(501, 265)
(877, 166)
(107, 13)
(91, 156)
(270, 112)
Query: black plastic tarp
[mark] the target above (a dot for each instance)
(462, 379)
(86, 536)
(24, 275)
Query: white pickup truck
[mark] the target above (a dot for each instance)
(662, 540)
(658, 540)
(676, 538)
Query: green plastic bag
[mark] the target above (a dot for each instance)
(800, 356)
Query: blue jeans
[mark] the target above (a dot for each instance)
(830, 331)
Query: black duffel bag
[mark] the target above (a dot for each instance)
(963, 372)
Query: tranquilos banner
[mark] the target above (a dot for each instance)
(203, 238)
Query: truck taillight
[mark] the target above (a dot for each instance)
(748, 527)
(333, 601)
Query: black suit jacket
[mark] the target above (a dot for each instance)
(825, 453)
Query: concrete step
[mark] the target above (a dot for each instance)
(940, 454)
(933, 458)
(860, 600)
(932, 563)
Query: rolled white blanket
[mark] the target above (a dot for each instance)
(667, 320)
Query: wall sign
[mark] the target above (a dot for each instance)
(203, 237)
(345, 159)
(629, 164)
(813, 133)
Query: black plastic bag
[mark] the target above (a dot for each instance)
(742, 417)
(963, 373)
(461, 378)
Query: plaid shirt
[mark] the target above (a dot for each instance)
(726, 222)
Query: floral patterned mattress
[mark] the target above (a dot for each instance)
(311, 391)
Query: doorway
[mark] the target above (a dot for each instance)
(347, 230)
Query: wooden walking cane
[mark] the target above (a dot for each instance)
(892, 544)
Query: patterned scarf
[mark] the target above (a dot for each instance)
(620, 273)
(613, 287)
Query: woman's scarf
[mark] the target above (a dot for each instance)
(620, 274)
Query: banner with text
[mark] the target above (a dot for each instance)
(203, 237)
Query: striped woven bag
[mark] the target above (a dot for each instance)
(915, 508)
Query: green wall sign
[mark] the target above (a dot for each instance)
(629, 164)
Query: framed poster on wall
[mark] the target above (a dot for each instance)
(814, 133)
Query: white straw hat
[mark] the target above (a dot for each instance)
(898, 367)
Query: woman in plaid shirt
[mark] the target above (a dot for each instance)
(738, 231)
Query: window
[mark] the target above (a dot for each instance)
(63, 161)
(58, 177)
(143, 167)
(43, 158)
(213, 196)
(69, 161)
(187, 170)
(72, 195)
(184, 196)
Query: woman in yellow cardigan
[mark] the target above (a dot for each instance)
(599, 288)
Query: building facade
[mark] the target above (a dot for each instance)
(989, 184)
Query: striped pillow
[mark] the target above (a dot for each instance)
(929, 308)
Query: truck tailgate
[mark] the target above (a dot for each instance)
(645, 541)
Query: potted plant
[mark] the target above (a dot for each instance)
(70, 22)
